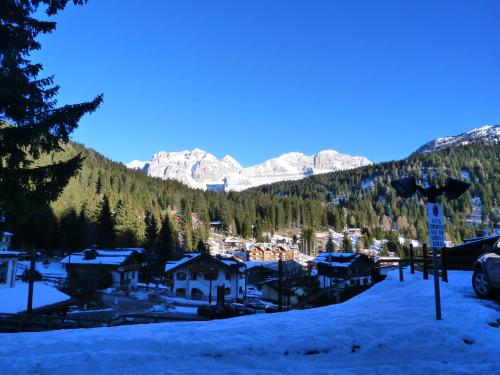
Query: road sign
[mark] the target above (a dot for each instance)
(435, 225)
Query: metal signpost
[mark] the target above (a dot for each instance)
(452, 189)
(436, 241)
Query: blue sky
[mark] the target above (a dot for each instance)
(255, 79)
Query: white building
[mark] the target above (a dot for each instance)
(198, 275)
(5, 241)
(8, 261)
(123, 264)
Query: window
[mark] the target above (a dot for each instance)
(228, 275)
(4, 266)
(181, 276)
(194, 275)
(227, 291)
(181, 292)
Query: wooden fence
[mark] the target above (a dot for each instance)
(421, 259)
(42, 322)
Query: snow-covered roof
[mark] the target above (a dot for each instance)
(14, 300)
(187, 257)
(9, 254)
(233, 239)
(230, 262)
(108, 257)
(8, 234)
(336, 259)
(269, 264)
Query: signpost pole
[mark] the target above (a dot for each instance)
(436, 240)
(31, 280)
(437, 291)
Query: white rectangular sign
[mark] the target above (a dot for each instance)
(435, 225)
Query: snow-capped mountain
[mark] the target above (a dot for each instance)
(202, 170)
(486, 135)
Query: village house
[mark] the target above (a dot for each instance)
(217, 226)
(293, 289)
(198, 275)
(353, 268)
(234, 243)
(257, 272)
(267, 253)
(123, 264)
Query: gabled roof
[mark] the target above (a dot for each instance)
(108, 257)
(14, 299)
(272, 265)
(9, 254)
(338, 259)
(190, 257)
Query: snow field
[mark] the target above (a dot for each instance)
(389, 329)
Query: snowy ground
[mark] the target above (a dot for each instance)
(389, 329)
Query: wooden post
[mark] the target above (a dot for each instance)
(400, 265)
(412, 260)
(424, 257)
(31, 280)
(444, 269)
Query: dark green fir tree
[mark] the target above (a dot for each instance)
(105, 226)
(31, 123)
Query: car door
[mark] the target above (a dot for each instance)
(493, 266)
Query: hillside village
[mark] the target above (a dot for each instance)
(310, 262)
(281, 273)
(255, 264)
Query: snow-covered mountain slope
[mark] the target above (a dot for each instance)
(200, 169)
(389, 329)
(486, 135)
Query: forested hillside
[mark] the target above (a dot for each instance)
(368, 199)
(359, 198)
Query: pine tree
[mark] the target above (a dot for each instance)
(150, 244)
(308, 242)
(125, 225)
(201, 247)
(346, 244)
(187, 223)
(105, 225)
(167, 248)
(151, 232)
(330, 246)
(31, 124)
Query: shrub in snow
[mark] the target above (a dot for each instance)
(83, 282)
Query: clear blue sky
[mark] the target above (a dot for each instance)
(257, 78)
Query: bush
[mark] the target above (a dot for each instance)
(86, 281)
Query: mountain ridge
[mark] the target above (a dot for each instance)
(200, 169)
(486, 135)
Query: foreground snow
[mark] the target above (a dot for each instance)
(390, 329)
